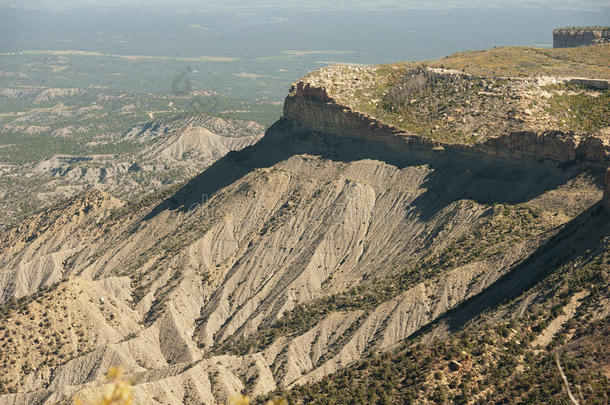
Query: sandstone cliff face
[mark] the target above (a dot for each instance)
(312, 107)
(573, 37)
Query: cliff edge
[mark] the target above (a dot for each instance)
(570, 37)
(433, 106)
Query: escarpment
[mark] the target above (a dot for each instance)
(580, 36)
(529, 135)
(314, 109)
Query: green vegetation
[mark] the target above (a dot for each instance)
(20, 149)
(41, 323)
(489, 100)
(305, 316)
(491, 360)
(504, 227)
(580, 112)
(93, 121)
(586, 61)
(37, 123)
(20, 305)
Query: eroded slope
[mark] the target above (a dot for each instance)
(345, 246)
(335, 237)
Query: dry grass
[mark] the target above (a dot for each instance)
(501, 92)
(588, 61)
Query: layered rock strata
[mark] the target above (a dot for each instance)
(580, 36)
(312, 107)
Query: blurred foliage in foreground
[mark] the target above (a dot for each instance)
(120, 393)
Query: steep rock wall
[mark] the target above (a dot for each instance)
(573, 37)
(313, 108)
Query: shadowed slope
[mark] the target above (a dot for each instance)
(456, 176)
(581, 235)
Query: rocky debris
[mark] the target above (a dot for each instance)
(580, 36)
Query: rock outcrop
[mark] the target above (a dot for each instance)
(312, 107)
(580, 36)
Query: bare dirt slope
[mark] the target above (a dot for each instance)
(295, 219)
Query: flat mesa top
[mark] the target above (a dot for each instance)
(471, 96)
(588, 28)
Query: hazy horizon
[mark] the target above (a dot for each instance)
(219, 5)
(253, 50)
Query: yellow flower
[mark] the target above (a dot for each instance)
(114, 373)
(239, 399)
(119, 394)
